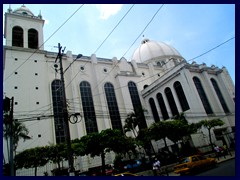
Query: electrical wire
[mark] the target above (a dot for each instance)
(212, 48)
(154, 74)
(114, 28)
(143, 29)
(123, 115)
(44, 42)
(149, 76)
(167, 62)
(129, 47)
(102, 44)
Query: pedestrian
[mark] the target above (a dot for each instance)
(217, 150)
(156, 167)
(225, 147)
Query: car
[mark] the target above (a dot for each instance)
(126, 174)
(192, 164)
(133, 164)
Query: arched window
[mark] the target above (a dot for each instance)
(162, 106)
(113, 106)
(220, 97)
(88, 107)
(32, 39)
(137, 104)
(202, 95)
(154, 110)
(17, 36)
(181, 96)
(57, 98)
(171, 101)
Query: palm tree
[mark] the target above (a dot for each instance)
(19, 131)
(16, 131)
(130, 123)
(133, 120)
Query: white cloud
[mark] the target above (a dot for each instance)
(107, 10)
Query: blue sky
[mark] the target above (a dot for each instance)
(191, 29)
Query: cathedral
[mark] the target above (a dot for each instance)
(101, 92)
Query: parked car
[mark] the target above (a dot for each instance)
(133, 164)
(193, 164)
(126, 174)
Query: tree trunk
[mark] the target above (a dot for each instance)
(7, 148)
(35, 172)
(133, 129)
(210, 138)
(58, 163)
(176, 145)
(103, 163)
(165, 142)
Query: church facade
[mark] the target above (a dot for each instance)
(103, 91)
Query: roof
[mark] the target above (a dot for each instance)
(151, 50)
(23, 10)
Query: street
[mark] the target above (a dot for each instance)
(226, 168)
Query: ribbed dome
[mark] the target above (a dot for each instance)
(23, 10)
(151, 50)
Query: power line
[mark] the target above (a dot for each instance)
(143, 29)
(114, 28)
(138, 81)
(101, 114)
(102, 44)
(133, 42)
(44, 42)
(212, 49)
(167, 62)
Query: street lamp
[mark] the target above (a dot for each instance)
(78, 56)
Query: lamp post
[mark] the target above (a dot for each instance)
(65, 112)
(78, 56)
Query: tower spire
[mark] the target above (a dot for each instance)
(9, 9)
(40, 14)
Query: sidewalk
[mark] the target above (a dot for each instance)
(170, 172)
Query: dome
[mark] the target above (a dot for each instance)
(149, 50)
(23, 10)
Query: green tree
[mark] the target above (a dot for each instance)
(179, 128)
(98, 144)
(159, 130)
(32, 158)
(209, 124)
(57, 153)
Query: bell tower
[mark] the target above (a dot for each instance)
(23, 28)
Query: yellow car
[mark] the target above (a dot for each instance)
(125, 174)
(192, 164)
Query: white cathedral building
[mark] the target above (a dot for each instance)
(156, 78)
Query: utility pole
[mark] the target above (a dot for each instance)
(65, 114)
(8, 118)
(11, 138)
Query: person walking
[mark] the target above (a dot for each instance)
(156, 167)
(217, 150)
